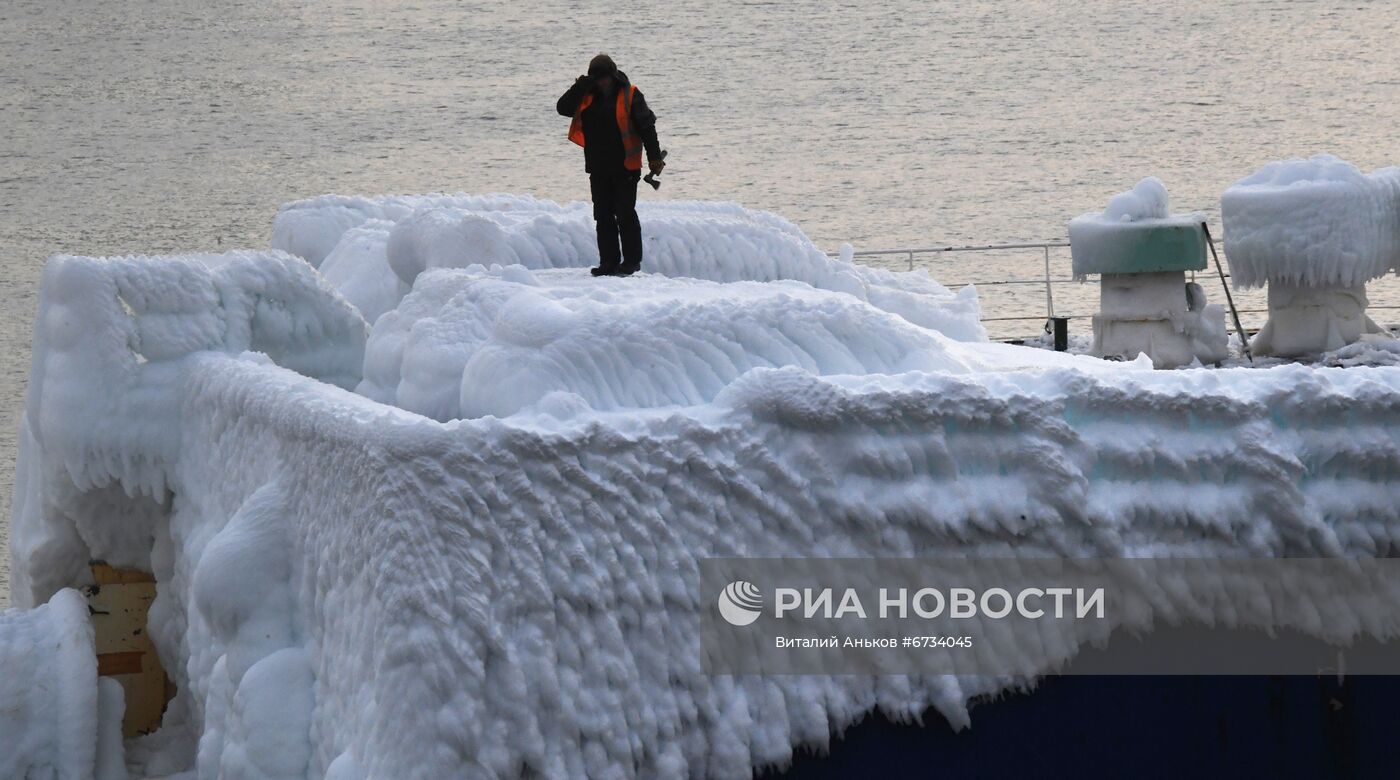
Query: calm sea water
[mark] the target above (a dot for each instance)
(176, 125)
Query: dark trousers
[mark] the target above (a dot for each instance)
(615, 209)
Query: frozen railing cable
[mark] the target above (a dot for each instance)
(1046, 280)
(1045, 247)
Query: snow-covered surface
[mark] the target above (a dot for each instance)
(352, 589)
(1373, 349)
(311, 228)
(1147, 200)
(490, 593)
(110, 759)
(358, 268)
(721, 242)
(1318, 222)
(468, 343)
(100, 431)
(48, 691)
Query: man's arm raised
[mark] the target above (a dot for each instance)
(568, 102)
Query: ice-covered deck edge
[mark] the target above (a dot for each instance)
(350, 589)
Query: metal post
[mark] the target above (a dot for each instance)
(1059, 332)
(1244, 337)
(911, 261)
(1049, 298)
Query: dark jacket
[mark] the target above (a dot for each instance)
(602, 150)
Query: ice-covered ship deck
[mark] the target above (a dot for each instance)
(463, 541)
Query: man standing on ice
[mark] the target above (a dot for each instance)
(612, 123)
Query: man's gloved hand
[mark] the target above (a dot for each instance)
(656, 165)
(585, 81)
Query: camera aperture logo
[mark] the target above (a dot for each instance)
(740, 603)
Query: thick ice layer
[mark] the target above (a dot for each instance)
(720, 242)
(257, 696)
(490, 595)
(1146, 200)
(473, 598)
(311, 228)
(48, 692)
(1318, 222)
(358, 268)
(1369, 350)
(108, 339)
(477, 342)
(353, 590)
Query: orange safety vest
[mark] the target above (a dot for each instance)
(631, 142)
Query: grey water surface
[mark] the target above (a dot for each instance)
(175, 125)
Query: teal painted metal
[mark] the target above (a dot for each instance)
(1144, 248)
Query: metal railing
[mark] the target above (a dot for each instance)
(1044, 246)
(1047, 280)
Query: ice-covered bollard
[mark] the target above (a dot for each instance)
(1315, 231)
(1146, 306)
(56, 720)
